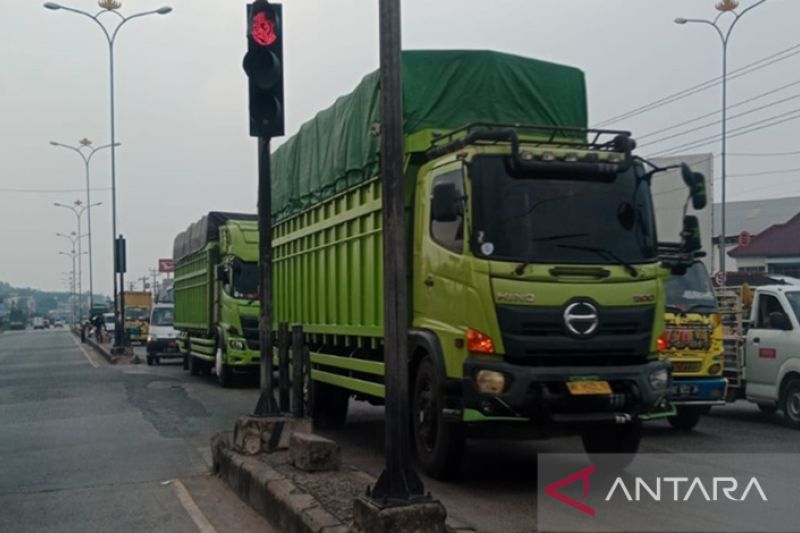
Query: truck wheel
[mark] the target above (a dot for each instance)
(195, 365)
(149, 360)
(328, 405)
(767, 408)
(439, 444)
(223, 370)
(622, 441)
(686, 418)
(791, 403)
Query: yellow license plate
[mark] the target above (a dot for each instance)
(579, 388)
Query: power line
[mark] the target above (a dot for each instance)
(742, 130)
(708, 124)
(765, 173)
(711, 114)
(51, 191)
(764, 154)
(700, 87)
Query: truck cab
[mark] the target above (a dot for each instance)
(693, 342)
(162, 336)
(772, 351)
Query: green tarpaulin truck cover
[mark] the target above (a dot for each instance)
(442, 90)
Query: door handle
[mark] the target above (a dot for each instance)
(428, 281)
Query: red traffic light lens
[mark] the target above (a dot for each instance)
(263, 30)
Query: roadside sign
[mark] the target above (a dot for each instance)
(719, 279)
(745, 239)
(166, 265)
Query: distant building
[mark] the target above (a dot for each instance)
(752, 216)
(775, 250)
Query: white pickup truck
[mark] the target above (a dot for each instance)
(762, 340)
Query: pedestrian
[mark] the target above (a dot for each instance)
(98, 328)
(84, 325)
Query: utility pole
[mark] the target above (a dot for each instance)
(154, 287)
(399, 484)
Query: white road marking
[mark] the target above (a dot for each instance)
(194, 512)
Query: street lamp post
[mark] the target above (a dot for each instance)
(111, 6)
(78, 209)
(87, 157)
(72, 284)
(723, 6)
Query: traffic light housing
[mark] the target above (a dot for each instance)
(263, 64)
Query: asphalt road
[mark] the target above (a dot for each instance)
(89, 447)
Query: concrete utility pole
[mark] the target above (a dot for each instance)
(399, 484)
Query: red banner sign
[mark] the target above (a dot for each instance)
(166, 265)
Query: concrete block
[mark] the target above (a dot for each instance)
(253, 435)
(313, 453)
(423, 517)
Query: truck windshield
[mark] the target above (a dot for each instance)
(136, 313)
(691, 291)
(163, 316)
(244, 280)
(794, 301)
(560, 220)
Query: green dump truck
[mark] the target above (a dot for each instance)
(216, 294)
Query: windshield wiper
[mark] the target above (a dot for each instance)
(559, 237)
(608, 254)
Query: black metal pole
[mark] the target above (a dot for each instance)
(283, 366)
(266, 401)
(298, 348)
(399, 483)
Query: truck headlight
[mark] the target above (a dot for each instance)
(490, 382)
(151, 338)
(716, 368)
(237, 345)
(659, 379)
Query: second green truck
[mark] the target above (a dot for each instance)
(536, 289)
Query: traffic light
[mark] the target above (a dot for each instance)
(263, 64)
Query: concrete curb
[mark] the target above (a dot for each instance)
(287, 507)
(98, 348)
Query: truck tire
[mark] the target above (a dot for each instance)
(328, 405)
(223, 370)
(768, 408)
(791, 403)
(620, 440)
(686, 418)
(439, 444)
(195, 365)
(149, 360)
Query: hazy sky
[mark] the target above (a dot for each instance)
(182, 110)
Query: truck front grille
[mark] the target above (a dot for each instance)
(250, 331)
(538, 336)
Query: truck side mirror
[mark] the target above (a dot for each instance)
(778, 320)
(696, 183)
(690, 235)
(445, 203)
(222, 274)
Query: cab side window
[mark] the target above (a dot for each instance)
(450, 235)
(767, 304)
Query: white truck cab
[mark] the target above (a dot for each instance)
(162, 336)
(772, 351)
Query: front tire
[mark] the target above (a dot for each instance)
(686, 418)
(791, 403)
(195, 365)
(622, 441)
(149, 360)
(439, 444)
(223, 370)
(328, 405)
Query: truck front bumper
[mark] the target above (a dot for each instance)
(698, 391)
(166, 346)
(540, 394)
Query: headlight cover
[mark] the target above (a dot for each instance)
(659, 379)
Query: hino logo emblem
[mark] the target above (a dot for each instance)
(581, 318)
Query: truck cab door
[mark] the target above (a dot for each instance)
(442, 271)
(767, 347)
